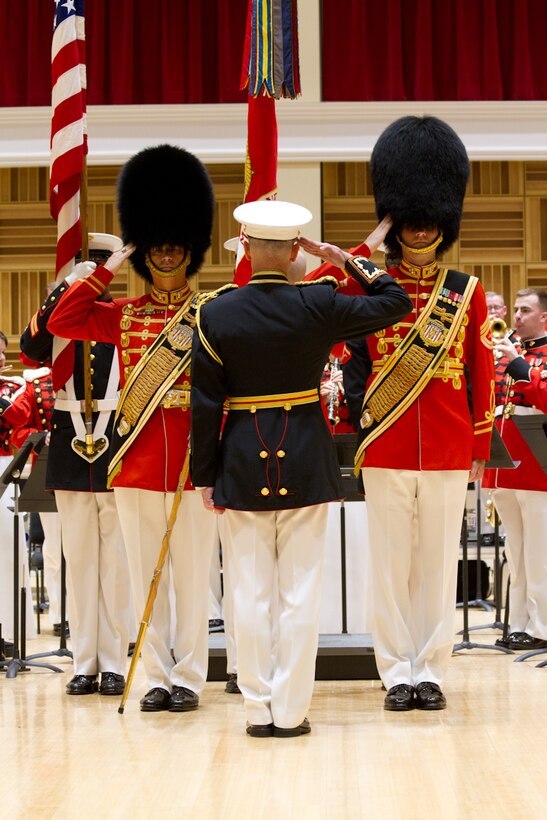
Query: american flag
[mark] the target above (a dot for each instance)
(68, 129)
(68, 150)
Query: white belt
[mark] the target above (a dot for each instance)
(78, 405)
(517, 410)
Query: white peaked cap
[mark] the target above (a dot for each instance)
(104, 242)
(232, 243)
(272, 219)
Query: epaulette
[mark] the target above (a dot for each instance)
(324, 280)
(203, 298)
(206, 296)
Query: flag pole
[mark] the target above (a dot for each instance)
(87, 363)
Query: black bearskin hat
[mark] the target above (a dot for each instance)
(165, 197)
(419, 170)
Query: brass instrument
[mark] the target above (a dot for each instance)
(498, 329)
(490, 515)
(334, 402)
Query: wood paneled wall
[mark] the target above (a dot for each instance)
(503, 238)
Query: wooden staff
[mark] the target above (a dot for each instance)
(154, 583)
(88, 370)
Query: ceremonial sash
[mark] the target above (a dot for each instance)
(408, 370)
(154, 375)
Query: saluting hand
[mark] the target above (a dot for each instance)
(116, 260)
(377, 236)
(329, 253)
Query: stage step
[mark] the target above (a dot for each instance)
(340, 657)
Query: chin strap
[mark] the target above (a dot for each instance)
(434, 245)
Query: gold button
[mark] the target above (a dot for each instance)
(281, 453)
(283, 491)
(253, 409)
(511, 392)
(38, 401)
(93, 344)
(265, 491)
(263, 454)
(287, 406)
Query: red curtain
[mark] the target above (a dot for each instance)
(434, 50)
(138, 51)
(190, 51)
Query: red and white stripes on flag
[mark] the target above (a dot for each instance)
(68, 129)
(68, 150)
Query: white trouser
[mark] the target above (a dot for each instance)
(144, 515)
(414, 520)
(524, 516)
(97, 581)
(51, 553)
(276, 659)
(227, 601)
(215, 587)
(6, 565)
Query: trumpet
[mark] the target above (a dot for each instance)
(500, 331)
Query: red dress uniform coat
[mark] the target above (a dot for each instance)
(31, 411)
(521, 383)
(154, 460)
(437, 431)
(10, 388)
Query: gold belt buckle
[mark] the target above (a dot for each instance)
(171, 399)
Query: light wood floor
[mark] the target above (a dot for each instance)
(485, 756)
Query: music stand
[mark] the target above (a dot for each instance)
(346, 444)
(499, 458)
(12, 475)
(533, 429)
(35, 498)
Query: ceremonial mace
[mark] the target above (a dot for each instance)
(154, 583)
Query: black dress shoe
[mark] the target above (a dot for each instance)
(303, 729)
(183, 700)
(429, 696)
(400, 698)
(522, 640)
(156, 700)
(111, 684)
(260, 729)
(216, 625)
(231, 685)
(82, 685)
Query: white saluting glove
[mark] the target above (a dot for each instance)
(79, 271)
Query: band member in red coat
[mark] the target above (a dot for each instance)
(520, 495)
(419, 442)
(165, 203)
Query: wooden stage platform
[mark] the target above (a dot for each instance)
(340, 657)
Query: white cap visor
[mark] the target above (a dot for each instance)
(272, 219)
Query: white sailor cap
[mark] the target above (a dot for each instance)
(272, 219)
